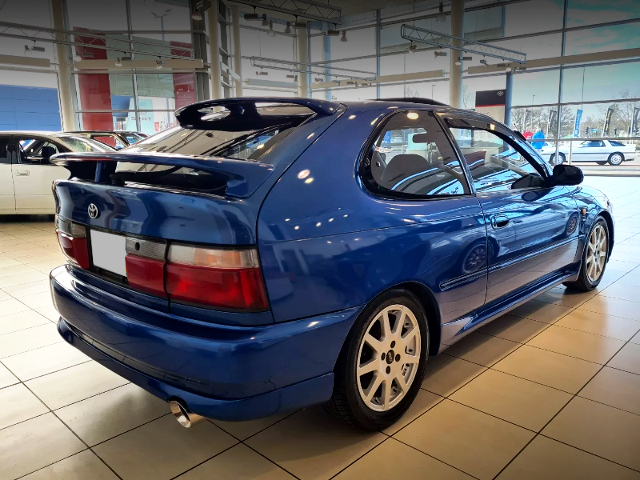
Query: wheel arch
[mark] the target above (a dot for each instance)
(428, 303)
(607, 218)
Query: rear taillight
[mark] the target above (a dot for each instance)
(73, 242)
(223, 278)
(145, 262)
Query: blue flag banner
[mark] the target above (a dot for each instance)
(576, 129)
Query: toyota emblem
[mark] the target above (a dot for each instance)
(93, 211)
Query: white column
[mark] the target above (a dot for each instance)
(214, 51)
(237, 54)
(64, 68)
(455, 75)
(303, 59)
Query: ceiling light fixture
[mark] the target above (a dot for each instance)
(77, 57)
(265, 23)
(252, 16)
(439, 54)
(484, 62)
(441, 17)
(262, 72)
(413, 47)
(344, 36)
(288, 29)
(160, 64)
(197, 16)
(271, 32)
(118, 62)
(333, 32)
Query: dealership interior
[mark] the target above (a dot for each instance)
(550, 390)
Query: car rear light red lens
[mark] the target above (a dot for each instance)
(75, 249)
(73, 242)
(146, 275)
(145, 263)
(223, 278)
(235, 289)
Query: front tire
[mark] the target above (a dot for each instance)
(616, 159)
(594, 258)
(382, 363)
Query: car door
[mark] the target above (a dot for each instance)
(33, 175)
(532, 228)
(7, 199)
(590, 151)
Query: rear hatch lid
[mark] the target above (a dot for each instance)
(197, 187)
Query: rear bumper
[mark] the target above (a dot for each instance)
(219, 371)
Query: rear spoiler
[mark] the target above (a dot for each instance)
(242, 177)
(244, 110)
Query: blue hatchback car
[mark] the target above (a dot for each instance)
(274, 253)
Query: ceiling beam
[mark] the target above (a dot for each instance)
(442, 40)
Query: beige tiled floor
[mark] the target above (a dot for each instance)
(549, 391)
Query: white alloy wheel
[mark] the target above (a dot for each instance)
(597, 249)
(616, 159)
(388, 358)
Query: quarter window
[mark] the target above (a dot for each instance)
(412, 157)
(495, 163)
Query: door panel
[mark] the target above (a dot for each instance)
(540, 238)
(7, 201)
(33, 186)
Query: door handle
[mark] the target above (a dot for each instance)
(23, 173)
(499, 221)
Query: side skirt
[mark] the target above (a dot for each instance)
(457, 329)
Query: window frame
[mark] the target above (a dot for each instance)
(364, 165)
(501, 131)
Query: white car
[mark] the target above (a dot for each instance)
(599, 151)
(26, 174)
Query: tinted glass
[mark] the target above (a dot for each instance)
(81, 144)
(413, 157)
(494, 162)
(224, 135)
(4, 150)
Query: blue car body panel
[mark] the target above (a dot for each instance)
(327, 247)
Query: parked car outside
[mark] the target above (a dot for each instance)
(118, 139)
(26, 173)
(599, 151)
(290, 252)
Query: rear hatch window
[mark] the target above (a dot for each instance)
(248, 136)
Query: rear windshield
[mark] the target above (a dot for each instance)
(81, 144)
(220, 134)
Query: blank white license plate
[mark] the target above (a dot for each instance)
(108, 252)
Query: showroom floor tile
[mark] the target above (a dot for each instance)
(549, 391)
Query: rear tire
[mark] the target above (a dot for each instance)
(378, 374)
(616, 159)
(596, 250)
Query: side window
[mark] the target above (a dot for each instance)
(4, 150)
(496, 163)
(412, 157)
(30, 149)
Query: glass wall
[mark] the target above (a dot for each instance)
(144, 30)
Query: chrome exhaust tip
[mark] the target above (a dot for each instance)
(184, 416)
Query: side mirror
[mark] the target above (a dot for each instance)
(47, 152)
(567, 175)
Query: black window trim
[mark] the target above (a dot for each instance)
(364, 168)
(505, 134)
